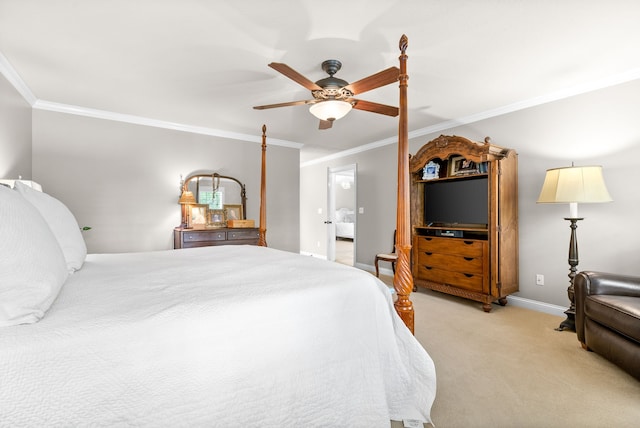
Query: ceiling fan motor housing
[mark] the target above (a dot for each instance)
(332, 87)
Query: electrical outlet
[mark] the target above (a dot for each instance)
(539, 279)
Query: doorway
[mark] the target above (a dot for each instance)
(341, 213)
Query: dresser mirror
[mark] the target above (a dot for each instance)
(216, 191)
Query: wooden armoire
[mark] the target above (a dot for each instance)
(464, 217)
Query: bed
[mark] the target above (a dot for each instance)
(215, 336)
(344, 223)
(211, 336)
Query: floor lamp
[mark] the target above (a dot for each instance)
(573, 185)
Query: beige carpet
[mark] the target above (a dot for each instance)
(510, 368)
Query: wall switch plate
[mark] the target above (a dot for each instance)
(539, 279)
(361, 210)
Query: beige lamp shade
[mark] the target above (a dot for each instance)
(330, 109)
(573, 185)
(583, 184)
(187, 198)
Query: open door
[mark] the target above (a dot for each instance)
(341, 214)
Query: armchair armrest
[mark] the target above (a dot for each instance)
(610, 283)
(588, 283)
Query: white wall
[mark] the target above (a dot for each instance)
(123, 179)
(600, 128)
(15, 133)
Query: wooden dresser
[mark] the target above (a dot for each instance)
(189, 238)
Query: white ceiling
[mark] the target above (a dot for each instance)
(203, 64)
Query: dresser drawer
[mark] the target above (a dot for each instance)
(451, 263)
(233, 235)
(467, 281)
(202, 236)
(455, 246)
(189, 238)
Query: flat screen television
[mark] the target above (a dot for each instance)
(451, 202)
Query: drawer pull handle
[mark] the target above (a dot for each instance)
(468, 242)
(469, 258)
(468, 275)
(428, 253)
(428, 267)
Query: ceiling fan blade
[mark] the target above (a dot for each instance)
(374, 107)
(325, 124)
(374, 81)
(291, 103)
(294, 75)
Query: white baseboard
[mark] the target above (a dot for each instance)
(535, 305)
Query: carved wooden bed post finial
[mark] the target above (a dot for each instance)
(403, 280)
(262, 231)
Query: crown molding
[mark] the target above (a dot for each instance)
(145, 121)
(14, 78)
(572, 91)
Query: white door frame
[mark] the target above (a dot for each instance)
(331, 208)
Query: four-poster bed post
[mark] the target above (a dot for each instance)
(262, 232)
(402, 279)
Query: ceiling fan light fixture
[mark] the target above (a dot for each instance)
(330, 109)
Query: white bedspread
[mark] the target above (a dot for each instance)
(217, 336)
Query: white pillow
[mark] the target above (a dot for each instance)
(62, 223)
(32, 266)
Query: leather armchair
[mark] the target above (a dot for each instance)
(608, 317)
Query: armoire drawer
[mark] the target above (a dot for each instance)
(468, 281)
(451, 262)
(456, 246)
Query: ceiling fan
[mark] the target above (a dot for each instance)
(333, 97)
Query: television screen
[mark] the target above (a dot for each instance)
(456, 201)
